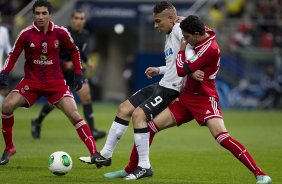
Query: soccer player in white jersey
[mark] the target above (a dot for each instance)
(153, 99)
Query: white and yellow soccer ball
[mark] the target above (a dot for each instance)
(59, 163)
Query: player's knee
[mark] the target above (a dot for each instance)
(138, 115)
(125, 109)
(85, 100)
(7, 106)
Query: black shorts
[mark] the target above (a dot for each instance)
(153, 99)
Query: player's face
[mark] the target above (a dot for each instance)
(78, 21)
(190, 38)
(42, 17)
(163, 22)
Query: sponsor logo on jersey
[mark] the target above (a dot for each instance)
(168, 52)
(43, 62)
(43, 57)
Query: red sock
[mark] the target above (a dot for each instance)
(7, 129)
(133, 161)
(239, 151)
(86, 136)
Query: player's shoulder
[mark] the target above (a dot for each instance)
(60, 28)
(176, 30)
(26, 30)
(85, 32)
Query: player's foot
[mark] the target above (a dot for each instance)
(97, 159)
(116, 174)
(139, 173)
(263, 179)
(35, 128)
(98, 134)
(6, 155)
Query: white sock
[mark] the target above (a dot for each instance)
(142, 145)
(116, 132)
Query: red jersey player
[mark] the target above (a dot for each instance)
(42, 76)
(198, 100)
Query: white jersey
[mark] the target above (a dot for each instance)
(4, 43)
(172, 44)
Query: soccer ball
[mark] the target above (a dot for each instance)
(59, 163)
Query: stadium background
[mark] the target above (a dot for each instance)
(249, 34)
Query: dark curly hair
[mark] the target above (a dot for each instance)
(40, 3)
(161, 6)
(193, 24)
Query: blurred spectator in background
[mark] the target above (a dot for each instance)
(5, 7)
(216, 16)
(5, 46)
(234, 8)
(242, 37)
(271, 87)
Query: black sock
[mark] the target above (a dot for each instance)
(89, 116)
(44, 112)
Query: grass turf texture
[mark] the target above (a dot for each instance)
(187, 154)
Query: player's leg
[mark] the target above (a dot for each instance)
(11, 102)
(218, 130)
(85, 98)
(161, 121)
(149, 109)
(37, 122)
(133, 160)
(69, 107)
(120, 125)
(117, 130)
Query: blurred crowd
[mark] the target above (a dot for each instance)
(250, 33)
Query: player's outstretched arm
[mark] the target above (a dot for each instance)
(151, 72)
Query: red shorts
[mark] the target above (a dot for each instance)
(52, 91)
(188, 107)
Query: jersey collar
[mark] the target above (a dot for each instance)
(211, 37)
(50, 27)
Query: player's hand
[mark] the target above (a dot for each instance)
(198, 75)
(77, 82)
(183, 44)
(151, 72)
(3, 80)
(179, 19)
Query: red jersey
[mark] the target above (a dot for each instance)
(206, 59)
(42, 62)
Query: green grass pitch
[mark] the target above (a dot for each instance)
(187, 154)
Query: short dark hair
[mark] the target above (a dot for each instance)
(40, 3)
(76, 11)
(161, 6)
(193, 24)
